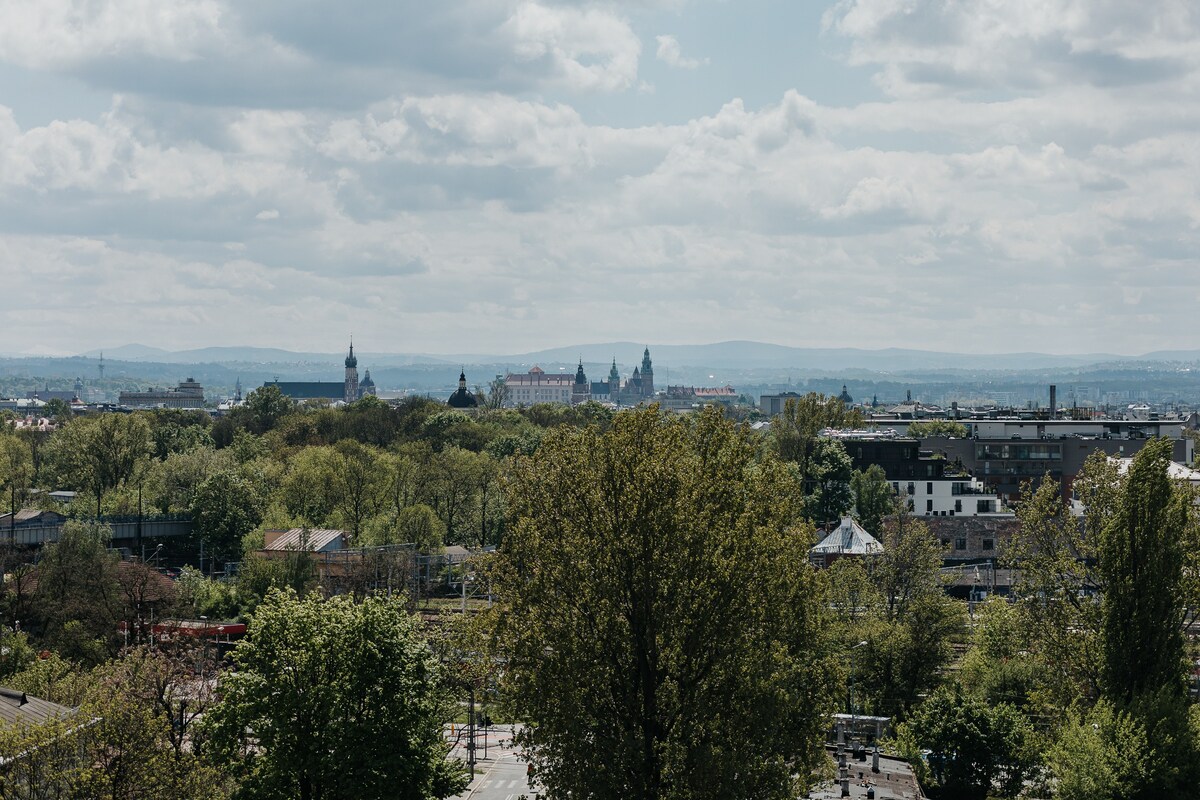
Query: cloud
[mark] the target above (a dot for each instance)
(925, 46)
(310, 53)
(670, 53)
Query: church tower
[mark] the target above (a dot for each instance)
(581, 391)
(614, 380)
(647, 375)
(351, 375)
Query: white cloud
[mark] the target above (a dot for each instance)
(589, 48)
(670, 53)
(267, 214)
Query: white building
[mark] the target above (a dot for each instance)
(958, 496)
(535, 386)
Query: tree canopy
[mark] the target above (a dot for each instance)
(664, 632)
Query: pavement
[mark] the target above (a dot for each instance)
(501, 775)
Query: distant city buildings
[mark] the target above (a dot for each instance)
(537, 386)
(347, 391)
(188, 394)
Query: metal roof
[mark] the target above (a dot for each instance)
(315, 539)
(18, 708)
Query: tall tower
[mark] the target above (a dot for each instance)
(351, 375)
(237, 390)
(647, 375)
(581, 391)
(614, 380)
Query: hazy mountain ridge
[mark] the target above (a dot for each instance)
(722, 355)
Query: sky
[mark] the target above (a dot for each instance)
(509, 175)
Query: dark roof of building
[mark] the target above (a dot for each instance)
(311, 390)
(18, 708)
(366, 381)
(462, 399)
(600, 387)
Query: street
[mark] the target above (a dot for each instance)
(499, 776)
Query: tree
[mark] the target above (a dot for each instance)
(264, 408)
(1103, 754)
(663, 631)
(1058, 592)
(874, 498)
(334, 700)
(99, 453)
(976, 750)
(225, 508)
(937, 428)
(78, 598)
(1141, 559)
(803, 418)
(827, 481)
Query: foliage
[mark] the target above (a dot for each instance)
(977, 750)
(827, 481)
(1141, 559)
(999, 666)
(874, 498)
(199, 595)
(664, 633)
(1058, 592)
(1101, 754)
(78, 597)
(937, 428)
(225, 508)
(333, 699)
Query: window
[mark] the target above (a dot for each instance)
(912, 489)
(958, 506)
(984, 506)
(896, 487)
(929, 505)
(960, 543)
(989, 544)
(929, 488)
(946, 543)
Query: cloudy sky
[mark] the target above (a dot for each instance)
(506, 175)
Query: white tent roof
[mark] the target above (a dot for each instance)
(849, 538)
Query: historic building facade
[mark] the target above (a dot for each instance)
(347, 390)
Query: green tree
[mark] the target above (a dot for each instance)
(874, 498)
(225, 508)
(1058, 591)
(1141, 559)
(664, 633)
(1103, 754)
(265, 407)
(333, 699)
(99, 453)
(78, 598)
(937, 428)
(827, 482)
(977, 750)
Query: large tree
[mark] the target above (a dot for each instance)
(663, 632)
(1141, 559)
(335, 700)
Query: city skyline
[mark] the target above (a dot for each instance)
(1002, 178)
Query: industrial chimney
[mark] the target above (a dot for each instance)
(1053, 401)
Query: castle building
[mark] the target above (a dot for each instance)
(347, 390)
(538, 387)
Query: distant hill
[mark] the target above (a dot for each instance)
(718, 355)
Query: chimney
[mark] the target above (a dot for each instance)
(1053, 401)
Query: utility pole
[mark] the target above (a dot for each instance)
(471, 729)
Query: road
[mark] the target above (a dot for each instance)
(500, 776)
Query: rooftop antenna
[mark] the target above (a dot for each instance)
(100, 367)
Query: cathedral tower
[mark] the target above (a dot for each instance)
(351, 375)
(647, 375)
